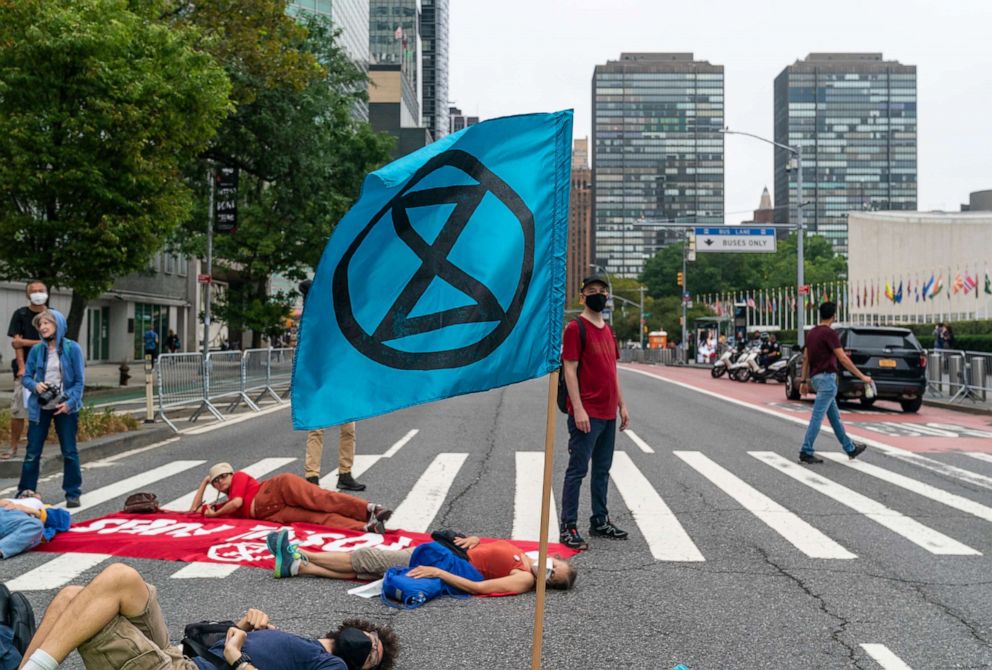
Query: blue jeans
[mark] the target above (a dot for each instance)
(66, 426)
(18, 532)
(825, 385)
(597, 446)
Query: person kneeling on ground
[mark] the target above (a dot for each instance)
(115, 622)
(25, 521)
(506, 568)
(287, 498)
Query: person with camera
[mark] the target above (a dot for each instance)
(54, 377)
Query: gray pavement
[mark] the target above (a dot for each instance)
(755, 601)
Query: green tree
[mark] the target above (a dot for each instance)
(99, 110)
(302, 156)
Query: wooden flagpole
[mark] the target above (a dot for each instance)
(542, 556)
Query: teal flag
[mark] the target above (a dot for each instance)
(446, 277)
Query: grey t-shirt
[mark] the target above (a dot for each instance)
(53, 376)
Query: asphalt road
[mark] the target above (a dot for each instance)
(708, 583)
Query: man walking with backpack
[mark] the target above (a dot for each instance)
(589, 364)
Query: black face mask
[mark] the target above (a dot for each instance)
(596, 302)
(353, 647)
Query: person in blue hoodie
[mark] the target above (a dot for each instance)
(26, 521)
(55, 363)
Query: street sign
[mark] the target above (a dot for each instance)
(804, 289)
(204, 279)
(732, 239)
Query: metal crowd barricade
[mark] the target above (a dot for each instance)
(182, 382)
(280, 370)
(225, 381)
(960, 375)
(255, 373)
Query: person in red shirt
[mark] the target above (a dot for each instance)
(505, 567)
(594, 398)
(820, 357)
(286, 498)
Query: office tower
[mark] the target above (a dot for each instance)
(579, 256)
(657, 153)
(457, 121)
(394, 39)
(434, 41)
(853, 116)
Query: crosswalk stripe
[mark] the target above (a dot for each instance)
(912, 530)
(117, 489)
(259, 469)
(56, 573)
(884, 657)
(635, 438)
(665, 536)
(980, 456)
(802, 535)
(925, 490)
(204, 570)
(939, 467)
(400, 443)
(362, 463)
(421, 505)
(527, 499)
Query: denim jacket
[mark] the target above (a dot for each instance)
(71, 360)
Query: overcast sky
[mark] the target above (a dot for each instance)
(516, 56)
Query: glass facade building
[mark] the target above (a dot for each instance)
(657, 153)
(434, 41)
(853, 116)
(394, 38)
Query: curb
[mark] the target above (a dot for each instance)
(967, 409)
(101, 447)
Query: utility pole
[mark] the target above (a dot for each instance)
(685, 293)
(800, 234)
(644, 322)
(210, 263)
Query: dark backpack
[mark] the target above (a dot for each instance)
(562, 388)
(141, 503)
(200, 636)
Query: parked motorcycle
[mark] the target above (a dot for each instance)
(740, 370)
(777, 371)
(723, 363)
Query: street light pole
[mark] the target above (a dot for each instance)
(644, 322)
(685, 291)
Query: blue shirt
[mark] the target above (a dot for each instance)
(278, 650)
(151, 340)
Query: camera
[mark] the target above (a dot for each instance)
(52, 395)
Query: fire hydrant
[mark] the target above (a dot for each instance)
(124, 369)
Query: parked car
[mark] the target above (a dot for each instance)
(892, 357)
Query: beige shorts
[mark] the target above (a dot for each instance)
(369, 563)
(136, 643)
(18, 410)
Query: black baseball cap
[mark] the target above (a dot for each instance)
(592, 279)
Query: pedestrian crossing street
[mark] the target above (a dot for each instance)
(659, 527)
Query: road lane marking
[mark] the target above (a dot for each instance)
(912, 530)
(925, 490)
(56, 573)
(980, 456)
(362, 463)
(887, 449)
(205, 570)
(527, 499)
(129, 484)
(400, 443)
(884, 657)
(664, 534)
(232, 421)
(635, 438)
(256, 470)
(417, 511)
(797, 532)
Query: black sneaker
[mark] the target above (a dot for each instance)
(314, 480)
(608, 530)
(858, 448)
(571, 538)
(347, 483)
(71, 502)
(809, 458)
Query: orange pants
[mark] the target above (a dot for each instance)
(289, 498)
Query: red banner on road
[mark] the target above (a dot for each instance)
(191, 537)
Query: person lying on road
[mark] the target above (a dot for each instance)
(115, 622)
(286, 498)
(26, 520)
(506, 568)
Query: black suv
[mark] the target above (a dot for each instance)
(892, 357)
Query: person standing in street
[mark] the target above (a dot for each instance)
(820, 357)
(151, 343)
(589, 359)
(54, 376)
(23, 336)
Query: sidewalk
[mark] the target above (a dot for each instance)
(102, 385)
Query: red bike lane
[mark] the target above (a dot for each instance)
(932, 429)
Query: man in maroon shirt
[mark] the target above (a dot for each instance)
(594, 397)
(820, 357)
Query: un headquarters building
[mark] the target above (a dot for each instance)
(657, 154)
(853, 116)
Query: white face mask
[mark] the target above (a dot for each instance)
(38, 298)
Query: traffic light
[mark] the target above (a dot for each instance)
(680, 282)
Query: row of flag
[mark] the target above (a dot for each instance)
(922, 290)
